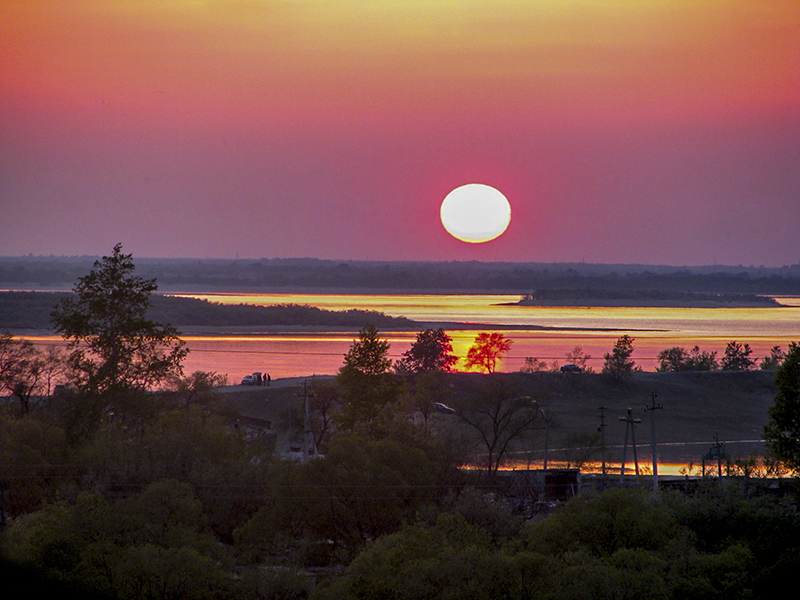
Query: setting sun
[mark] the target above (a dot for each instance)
(475, 213)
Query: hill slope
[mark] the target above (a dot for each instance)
(696, 407)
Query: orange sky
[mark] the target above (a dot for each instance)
(538, 95)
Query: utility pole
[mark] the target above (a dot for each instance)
(630, 425)
(546, 437)
(602, 430)
(309, 443)
(719, 451)
(652, 408)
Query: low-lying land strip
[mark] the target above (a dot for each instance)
(644, 298)
(31, 310)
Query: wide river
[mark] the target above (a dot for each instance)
(298, 354)
(593, 329)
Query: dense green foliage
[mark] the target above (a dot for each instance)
(773, 360)
(678, 359)
(113, 346)
(430, 352)
(737, 357)
(370, 392)
(178, 504)
(782, 433)
(618, 363)
(621, 544)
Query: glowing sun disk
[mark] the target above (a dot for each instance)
(475, 213)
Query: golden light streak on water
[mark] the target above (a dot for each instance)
(297, 354)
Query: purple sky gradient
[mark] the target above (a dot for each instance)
(620, 156)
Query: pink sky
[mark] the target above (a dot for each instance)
(630, 131)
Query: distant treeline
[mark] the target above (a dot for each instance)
(643, 297)
(31, 310)
(48, 273)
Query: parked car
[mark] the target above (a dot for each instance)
(571, 369)
(248, 380)
(443, 408)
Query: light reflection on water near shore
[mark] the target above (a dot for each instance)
(298, 354)
(501, 310)
(594, 329)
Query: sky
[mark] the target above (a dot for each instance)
(649, 131)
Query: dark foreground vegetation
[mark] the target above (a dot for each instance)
(185, 506)
(190, 493)
(132, 480)
(182, 494)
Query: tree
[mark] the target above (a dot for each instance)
(369, 389)
(449, 559)
(362, 489)
(579, 447)
(672, 360)
(324, 400)
(774, 360)
(197, 388)
(430, 352)
(737, 357)
(500, 417)
(619, 362)
(533, 365)
(678, 359)
(322, 406)
(702, 361)
(486, 350)
(8, 353)
(782, 432)
(29, 449)
(25, 372)
(113, 346)
(21, 369)
(368, 355)
(577, 357)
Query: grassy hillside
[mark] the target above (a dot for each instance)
(697, 406)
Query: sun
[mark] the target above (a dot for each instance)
(475, 213)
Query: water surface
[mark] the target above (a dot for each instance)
(593, 329)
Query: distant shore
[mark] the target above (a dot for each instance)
(603, 303)
(591, 298)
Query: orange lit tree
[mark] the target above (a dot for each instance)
(486, 350)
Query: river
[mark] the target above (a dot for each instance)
(593, 329)
(297, 354)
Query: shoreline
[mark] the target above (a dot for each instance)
(205, 290)
(215, 331)
(602, 303)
